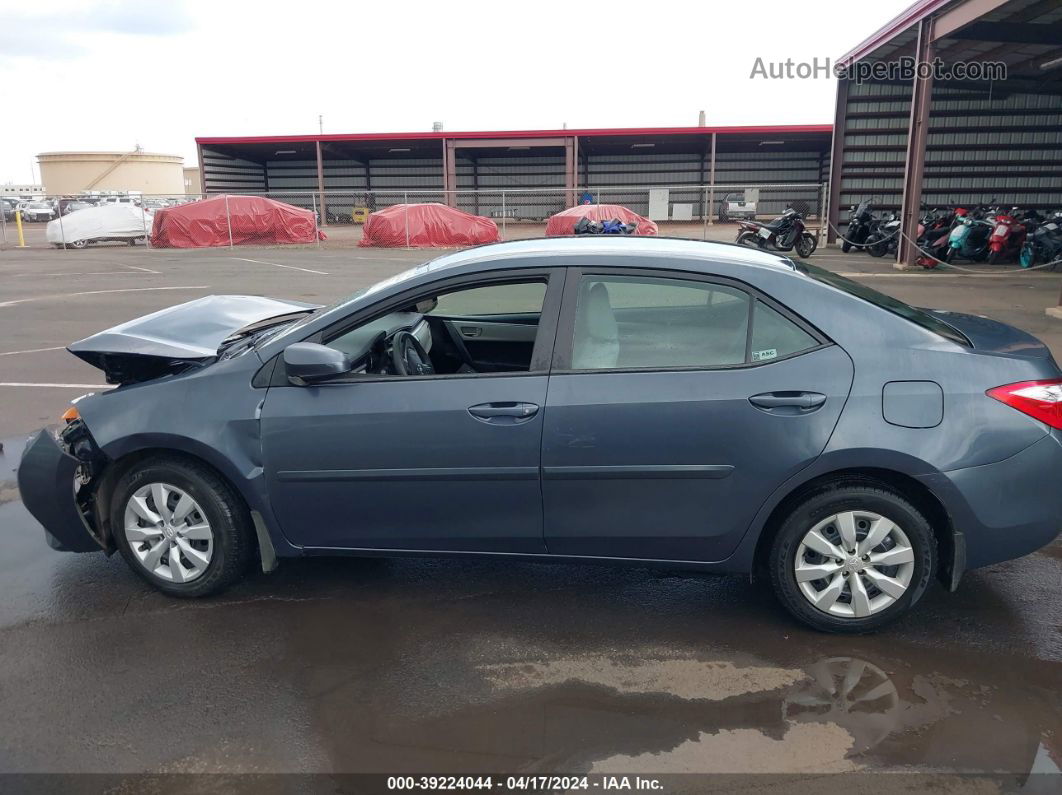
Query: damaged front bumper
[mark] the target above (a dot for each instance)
(48, 483)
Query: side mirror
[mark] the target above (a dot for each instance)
(310, 362)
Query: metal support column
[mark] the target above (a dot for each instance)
(450, 172)
(837, 161)
(914, 165)
(571, 155)
(321, 186)
(711, 182)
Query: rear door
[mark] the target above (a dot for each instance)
(676, 405)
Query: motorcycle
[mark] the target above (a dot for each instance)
(861, 223)
(933, 240)
(885, 238)
(1044, 244)
(785, 233)
(1009, 233)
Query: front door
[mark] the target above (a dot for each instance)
(671, 418)
(446, 462)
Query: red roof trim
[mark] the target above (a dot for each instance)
(896, 25)
(591, 133)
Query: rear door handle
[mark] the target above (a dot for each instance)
(788, 402)
(503, 413)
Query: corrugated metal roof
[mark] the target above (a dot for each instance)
(582, 133)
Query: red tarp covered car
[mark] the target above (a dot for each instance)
(427, 226)
(252, 219)
(563, 223)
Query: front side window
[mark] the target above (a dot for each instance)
(630, 322)
(464, 331)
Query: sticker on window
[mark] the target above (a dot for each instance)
(764, 355)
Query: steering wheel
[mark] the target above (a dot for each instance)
(408, 356)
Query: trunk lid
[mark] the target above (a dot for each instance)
(992, 336)
(171, 339)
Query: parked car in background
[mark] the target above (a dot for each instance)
(155, 204)
(631, 399)
(38, 211)
(8, 210)
(109, 222)
(73, 206)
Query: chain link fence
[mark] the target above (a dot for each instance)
(336, 219)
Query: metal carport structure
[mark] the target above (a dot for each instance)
(905, 140)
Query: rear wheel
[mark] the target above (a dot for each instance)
(805, 246)
(852, 558)
(750, 239)
(181, 527)
(79, 243)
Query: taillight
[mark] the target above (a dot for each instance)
(1041, 400)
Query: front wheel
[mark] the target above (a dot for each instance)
(805, 245)
(181, 527)
(846, 246)
(1027, 258)
(852, 557)
(993, 257)
(750, 239)
(877, 247)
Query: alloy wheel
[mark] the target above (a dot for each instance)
(854, 564)
(168, 532)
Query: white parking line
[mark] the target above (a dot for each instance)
(33, 350)
(102, 292)
(278, 265)
(56, 386)
(145, 270)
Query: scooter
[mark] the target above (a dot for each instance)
(785, 233)
(969, 238)
(1044, 244)
(1009, 233)
(861, 223)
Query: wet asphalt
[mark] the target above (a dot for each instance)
(453, 666)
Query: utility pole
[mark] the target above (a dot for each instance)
(320, 124)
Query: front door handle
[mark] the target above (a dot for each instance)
(788, 402)
(503, 413)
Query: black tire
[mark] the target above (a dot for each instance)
(846, 246)
(821, 504)
(993, 257)
(79, 244)
(233, 531)
(750, 239)
(876, 247)
(806, 245)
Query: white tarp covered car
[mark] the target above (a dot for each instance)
(122, 222)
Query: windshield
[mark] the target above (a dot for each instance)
(37, 206)
(913, 314)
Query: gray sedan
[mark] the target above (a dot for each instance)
(637, 400)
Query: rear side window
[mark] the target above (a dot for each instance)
(775, 336)
(886, 302)
(630, 322)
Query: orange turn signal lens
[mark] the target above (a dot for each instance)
(71, 414)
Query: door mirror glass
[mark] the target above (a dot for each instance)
(308, 362)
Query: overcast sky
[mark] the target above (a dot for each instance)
(92, 74)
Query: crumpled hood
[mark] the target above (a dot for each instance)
(187, 332)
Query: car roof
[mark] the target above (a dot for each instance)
(605, 245)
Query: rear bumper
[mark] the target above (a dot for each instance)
(46, 483)
(1007, 509)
